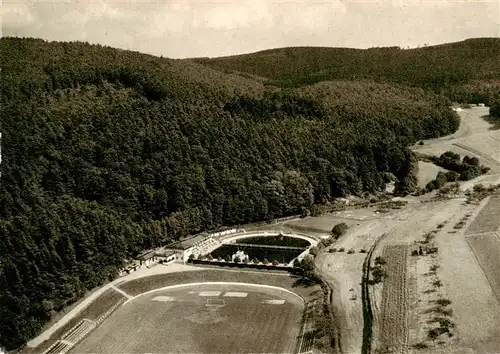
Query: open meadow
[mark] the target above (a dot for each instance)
(475, 137)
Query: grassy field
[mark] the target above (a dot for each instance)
(488, 219)
(394, 328)
(290, 282)
(486, 247)
(238, 319)
(427, 172)
(92, 312)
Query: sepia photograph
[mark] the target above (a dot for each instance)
(250, 176)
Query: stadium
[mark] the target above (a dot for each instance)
(199, 310)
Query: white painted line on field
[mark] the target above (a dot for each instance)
(235, 294)
(218, 283)
(164, 298)
(274, 302)
(121, 292)
(209, 293)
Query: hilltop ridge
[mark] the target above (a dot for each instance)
(466, 71)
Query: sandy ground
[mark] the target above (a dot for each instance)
(476, 309)
(343, 271)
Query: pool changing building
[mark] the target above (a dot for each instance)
(200, 244)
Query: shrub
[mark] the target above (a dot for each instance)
(440, 226)
(378, 274)
(362, 250)
(414, 253)
(452, 176)
(380, 261)
(339, 229)
(350, 251)
(332, 250)
(420, 345)
(438, 283)
(265, 261)
(275, 262)
(433, 334)
(314, 251)
(459, 225)
(446, 323)
(443, 302)
(341, 249)
(210, 257)
(495, 110)
(431, 250)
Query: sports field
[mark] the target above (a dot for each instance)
(208, 318)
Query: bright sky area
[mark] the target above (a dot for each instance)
(186, 28)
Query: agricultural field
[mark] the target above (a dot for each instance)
(394, 311)
(201, 319)
(488, 219)
(476, 309)
(486, 247)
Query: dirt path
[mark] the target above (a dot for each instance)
(144, 272)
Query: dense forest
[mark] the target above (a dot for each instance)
(108, 152)
(466, 71)
(495, 110)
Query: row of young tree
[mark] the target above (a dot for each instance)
(106, 153)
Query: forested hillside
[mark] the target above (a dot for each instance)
(467, 71)
(107, 152)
